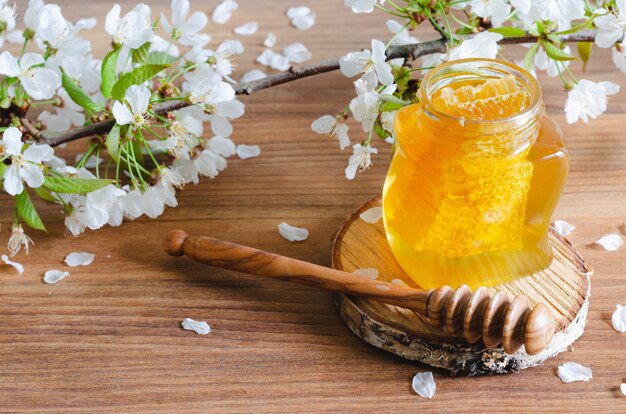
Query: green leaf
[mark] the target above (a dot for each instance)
(77, 94)
(530, 56)
(136, 77)
(65, 185)
(391, 103)
(140, 55)
(584, 51)
(160, 58)
(508, 31)
(113, 143)
(45, 194)
(26, 210)
(108, 72)
(556, 53)
(380, 131)
(3, 167)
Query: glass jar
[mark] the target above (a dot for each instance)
(469, 200)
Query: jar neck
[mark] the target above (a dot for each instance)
(497, 137)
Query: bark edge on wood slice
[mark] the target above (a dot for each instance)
(564, 287)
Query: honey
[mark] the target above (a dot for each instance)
(478, 170)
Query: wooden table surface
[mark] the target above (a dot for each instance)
(108, 338)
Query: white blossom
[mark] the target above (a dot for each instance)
(365, 106)
(38, 82)
(223, 11)
(362, 6)
(334, 127)
(187, 31)
(56, 33)
(133, 111)
(611, 27)
(372, 64)
(31, 16)
(18, 240)
(401, 34)
(543, 62)
(25, 166)
(209, 162)
(132, 30)
(360, 160)
(138, 202)
(482, 45)
(561, 11)
(619, 58)
(588, 99)
(64, 116)
(208, 95)
(7, 16)
(496, 10)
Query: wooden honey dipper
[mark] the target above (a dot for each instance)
(496, 319)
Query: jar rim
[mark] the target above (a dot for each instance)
(506, 68)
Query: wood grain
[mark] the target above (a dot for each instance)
(108, 339)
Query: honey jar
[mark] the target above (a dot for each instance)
(478, 170)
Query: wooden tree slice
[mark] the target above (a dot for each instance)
(564, 287)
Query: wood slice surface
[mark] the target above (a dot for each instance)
(564, 287)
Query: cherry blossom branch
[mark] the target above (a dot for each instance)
(410, 52)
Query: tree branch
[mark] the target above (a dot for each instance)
(411, 52)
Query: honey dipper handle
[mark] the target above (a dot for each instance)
(245, 259)
(478, 315)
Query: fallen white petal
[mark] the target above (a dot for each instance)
(253, 75)
(292, 233)
(247, 29)
(201, 328)
(79, 259)
(296, 53)
(265, 58)
(248, 151)
(610, 242)
(368, 272)
(304, 22)
(619, 318)
(573, 371)
(53, 276)
(372, 215)
(563, 227)
(399, 282)
(623, 388)
(424, 384)
(294, 12)
(18, 266)
(223, 11)
(270, 40)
